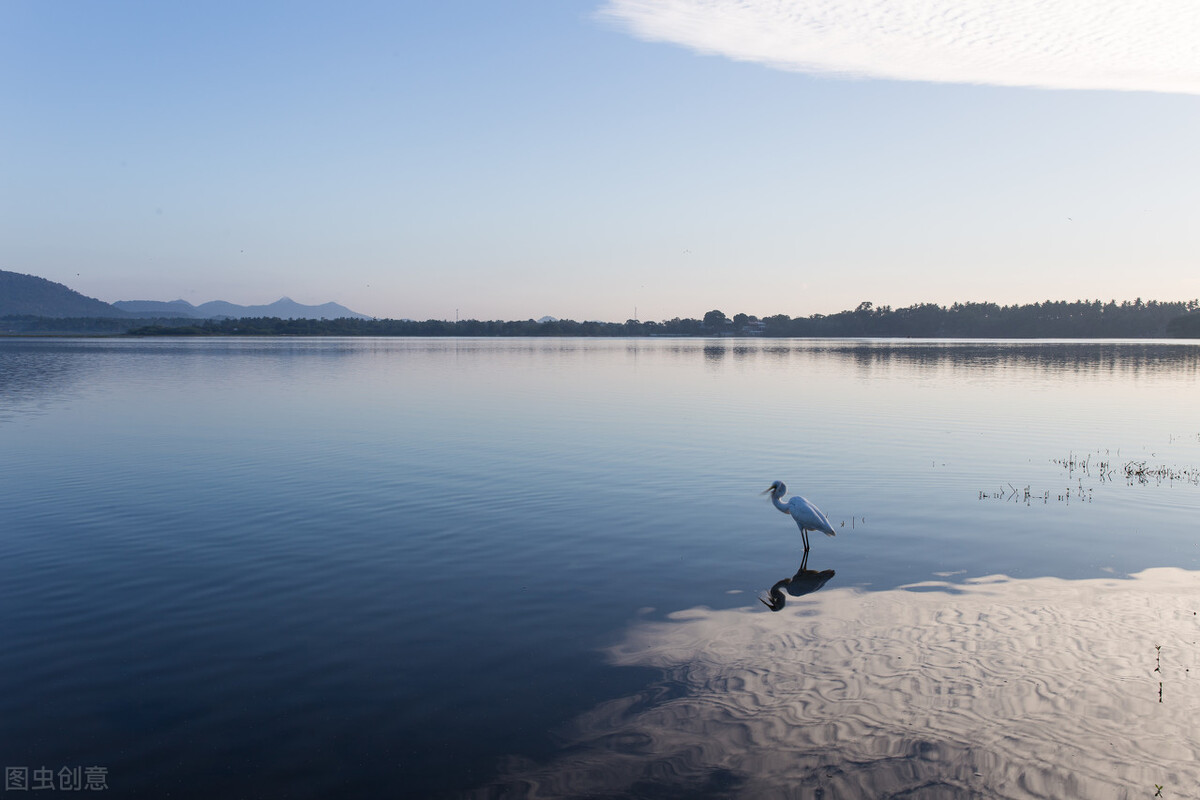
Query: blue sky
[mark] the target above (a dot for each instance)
(583, 159)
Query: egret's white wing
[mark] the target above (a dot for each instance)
(809, 517)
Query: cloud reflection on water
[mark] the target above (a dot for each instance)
(989, 688)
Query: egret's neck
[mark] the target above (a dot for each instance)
(782, 506)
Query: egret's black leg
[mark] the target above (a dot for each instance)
(804, 534)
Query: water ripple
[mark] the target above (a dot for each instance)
(1038, 688)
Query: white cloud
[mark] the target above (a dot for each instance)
(1072, 44)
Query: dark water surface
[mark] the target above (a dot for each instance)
(531, 568)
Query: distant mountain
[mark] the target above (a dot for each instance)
(283, 308)
(31, 295)
(156, 308)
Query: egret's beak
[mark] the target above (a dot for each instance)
(773, 604)
(768, 490)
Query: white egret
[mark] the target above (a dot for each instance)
(808, 517)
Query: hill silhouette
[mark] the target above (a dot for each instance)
(283, 308)
(30, 295)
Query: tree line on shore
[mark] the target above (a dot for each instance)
(1051, 319)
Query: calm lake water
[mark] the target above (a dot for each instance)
(532, 568)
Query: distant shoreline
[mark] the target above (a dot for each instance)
(1049, 320)
(648, 337)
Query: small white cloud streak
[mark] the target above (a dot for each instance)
(1074, 44)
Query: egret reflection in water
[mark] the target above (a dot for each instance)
(808, 517)
(805, 581)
